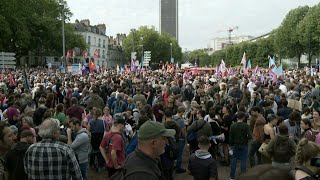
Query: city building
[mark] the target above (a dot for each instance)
(222, 42)
(110, 51)
(169, 18)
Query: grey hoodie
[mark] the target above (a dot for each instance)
(81, 145)
(202, 154)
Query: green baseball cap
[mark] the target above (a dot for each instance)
(152, 129)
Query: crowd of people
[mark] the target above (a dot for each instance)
(139, 126)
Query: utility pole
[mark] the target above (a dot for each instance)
(63, 36)
(171, 53)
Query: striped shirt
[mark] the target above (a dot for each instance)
(51, 160)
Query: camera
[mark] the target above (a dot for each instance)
(315, 162)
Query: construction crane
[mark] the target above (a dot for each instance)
(230, 30)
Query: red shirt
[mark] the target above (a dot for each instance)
(116, 144)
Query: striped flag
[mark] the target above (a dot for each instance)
(243, 61)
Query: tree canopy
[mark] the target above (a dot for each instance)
(35, 25)
(158, 44)
(299, 33)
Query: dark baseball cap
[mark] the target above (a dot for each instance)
(152, 129)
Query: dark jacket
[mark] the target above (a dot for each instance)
(14, 161)
(202, 166)
(38, 115)
(138, 160)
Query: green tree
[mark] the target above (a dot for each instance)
(158, 44)
(309, 32)
(287, 42)
(35, 26)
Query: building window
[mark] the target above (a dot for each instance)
(94, 41)
(104, 43)
(89, 40)
(99, 42)
(88, 53)
(103, 56)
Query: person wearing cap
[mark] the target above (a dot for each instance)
(14, 158)
(152, 139)
(112, 146)
(240, 135)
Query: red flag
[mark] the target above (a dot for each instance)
(97, 53)
(73, 53)
(84, 54)
(126, 69)
(68, 55)
(92, 66)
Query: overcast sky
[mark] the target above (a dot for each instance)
(199, 20)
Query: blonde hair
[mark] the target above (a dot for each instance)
(305, 151)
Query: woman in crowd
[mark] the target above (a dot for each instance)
(307, 155)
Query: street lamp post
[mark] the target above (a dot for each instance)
(142, 56)
(171, 53)
(63, 36)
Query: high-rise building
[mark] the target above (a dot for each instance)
(169, 17)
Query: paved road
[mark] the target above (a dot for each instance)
(222, 170)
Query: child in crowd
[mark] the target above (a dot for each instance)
(202, 166)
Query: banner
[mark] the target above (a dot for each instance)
(74, 70)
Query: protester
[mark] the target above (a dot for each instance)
(6, 141)
(14, 158)
(112, 146)
(80, 145)
(63, 163)
(202, 166)
(152, 138)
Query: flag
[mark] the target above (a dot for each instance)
(279, 71)
(311, 70)
(177, 65)
(132, 65)
(118, 69)
(230, 71)
(243, 61)
(273, 76)
(126, 69)
(92, 66)
(68, 55)
(249, 65)
(73, 53)
(272, 62)
(163, 67)
(97, 53)
(256, 70)
(84, 54)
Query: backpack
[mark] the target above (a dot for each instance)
(173, 148)
(193, 135)
(312, 176)
(280, 151)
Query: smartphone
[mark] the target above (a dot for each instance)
(315, 162)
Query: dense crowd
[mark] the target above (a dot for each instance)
(138, 125)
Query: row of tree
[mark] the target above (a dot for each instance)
(298, 34)
(160, 45)
(36, 26)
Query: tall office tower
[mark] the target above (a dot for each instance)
(169, 17)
